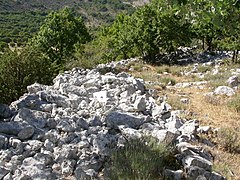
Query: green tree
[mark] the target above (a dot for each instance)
(151, 30)
(58, 35)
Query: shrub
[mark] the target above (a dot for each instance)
(229, 140)
(141, 159)
(174, 70)
(217, 79)
(235, 103)
(175, 102)
(204, 69)
(167, 81)
(17, 71)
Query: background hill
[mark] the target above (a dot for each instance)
(19, 19)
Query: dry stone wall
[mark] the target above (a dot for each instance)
(67, 130)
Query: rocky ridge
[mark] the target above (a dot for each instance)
(67, 130)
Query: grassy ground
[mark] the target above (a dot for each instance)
(217, 112)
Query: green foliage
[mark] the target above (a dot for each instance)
(3, 46)
(17, 71)
(19, 26)
(20, 20)
(150, 30)
(59, 34)
(141, 158)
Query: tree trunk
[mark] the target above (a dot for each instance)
(233, 57)
(237, 56)
(203, 44)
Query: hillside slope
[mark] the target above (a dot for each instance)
(21, 18)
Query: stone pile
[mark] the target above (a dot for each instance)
(67, 130)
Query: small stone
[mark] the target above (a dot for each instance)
(213, 176)
(189, 127)
(67, 167)
(34, 88)
(184, 100)
(204, 129)
(3, 142)
(140, 103)
(48, 145)
(175, 175)
(14, 142)
(233, 81)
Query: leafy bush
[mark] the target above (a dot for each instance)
(141, 158)
(17, 71)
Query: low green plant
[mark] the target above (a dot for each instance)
(204, 69)
(234, 103)
(162, 69)
(229, 140)
(167, 81)
(217, 79)
(175, 102)
(141, 158)
(174, 70)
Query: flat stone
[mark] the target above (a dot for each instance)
(197, 161)
(189, 127)
(115, 119)
(3, 172)
(26, 132)
(34, 118)
(11, 127)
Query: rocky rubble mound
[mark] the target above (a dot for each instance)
(67, 130)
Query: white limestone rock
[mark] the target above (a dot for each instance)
(140, 103)
(198, 161)
(224, 90)
(233, 81)
(174, 175)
